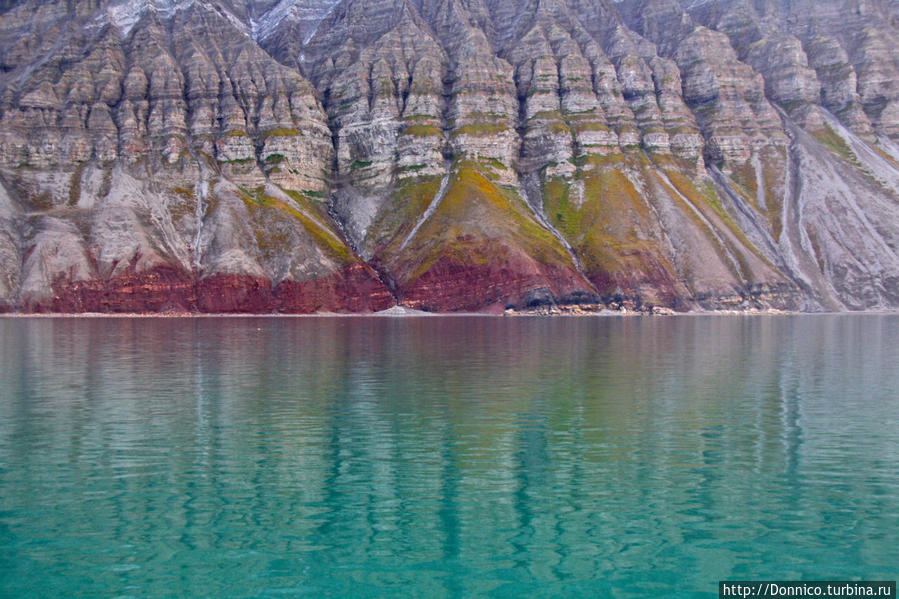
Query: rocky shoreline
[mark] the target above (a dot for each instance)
(598, 310)
(398, 311)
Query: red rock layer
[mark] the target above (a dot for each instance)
(355, 288)
(652, 283)
(450, 286)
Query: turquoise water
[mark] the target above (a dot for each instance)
(445, 457)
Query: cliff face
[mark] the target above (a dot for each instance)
(325, 155)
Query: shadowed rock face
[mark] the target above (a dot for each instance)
(306, 156)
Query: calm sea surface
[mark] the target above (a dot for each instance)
(445, 457)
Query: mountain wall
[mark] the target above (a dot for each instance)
(306, 156)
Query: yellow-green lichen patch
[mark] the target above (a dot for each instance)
(705, 200)
(836, 144)
(744, 178)
(272, 239)
(480, 129)
(182, 203)
(580, 126)
(280, 132)
(398, 217)
(479, 222)
(558, 127)
(491, 168)
(360, 164)
(422, 131)
(311, 202)
(609, 225)
(558, 204)
(594, 162)
(774, 167)
(700, 199)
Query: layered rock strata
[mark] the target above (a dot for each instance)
(447, 155)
